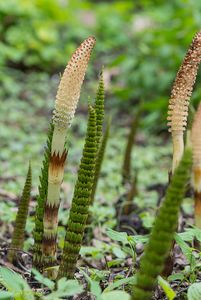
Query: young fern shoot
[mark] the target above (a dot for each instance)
(21, 218)
(196, 146)
(81, 201)
(162, 233)
(41, 198)
(180, 97)
(66, 102)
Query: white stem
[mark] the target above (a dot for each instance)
(58, 140)
(178, 148)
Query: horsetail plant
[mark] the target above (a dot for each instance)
(66, 102)
(162, 233)
(21, 218)
(180, 97)
(81, 201)
(99, 108)
(41, 198)
(178, 108)
(196, 146)
(99, 159)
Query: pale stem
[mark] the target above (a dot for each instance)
(58, 140)
(178, 148)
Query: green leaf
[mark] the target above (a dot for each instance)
(40, 278)
(194, 291)
(117, 236)
(187, 251)
(177, 276)
(138, 238)
(166, 288)
(15, 284)
(120, 282)
(197, 232)
(188, 235)
(118, 252)
(6, 295)
(115, 262)
(117, 295)
(65, 288)
(94, 285)
(89, 250)
(95, 288)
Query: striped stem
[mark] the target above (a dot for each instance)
(55, 178)
(41, 198)
(160, 241)
(81, 200)
(99, 108)
(99, 160)
(21, 218)
(66, 102)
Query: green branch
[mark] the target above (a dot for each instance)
(81, 201)
(21, 218)
(162, 234)
(99, 160)
(99, 108)
(41, 198)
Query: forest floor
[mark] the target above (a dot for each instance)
(114, 240)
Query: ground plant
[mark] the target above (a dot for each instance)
(100, 185)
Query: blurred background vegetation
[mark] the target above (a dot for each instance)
(141, 45)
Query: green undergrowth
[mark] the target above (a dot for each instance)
(144, 159)
(119, 249)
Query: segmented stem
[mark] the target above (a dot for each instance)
(50, 221)
(81, 201)
(162, 234)
(21, 218)
(99, 108)
(41, 198)
(99, 160)
(66, 102)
